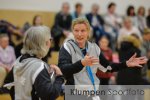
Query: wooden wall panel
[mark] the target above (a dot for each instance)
(19, 17)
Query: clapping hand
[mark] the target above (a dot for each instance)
(136, 61)
(89, 60)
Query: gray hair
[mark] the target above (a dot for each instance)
(35, 41)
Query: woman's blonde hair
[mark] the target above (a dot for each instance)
(35, 41)
(141, 8)
(134, 39)
(80, 20)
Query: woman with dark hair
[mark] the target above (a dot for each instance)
(78, 11)
(37, 20)
(130, 11)
(104, 46)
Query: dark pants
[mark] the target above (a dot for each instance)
(104, 81)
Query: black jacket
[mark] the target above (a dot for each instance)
(129, 76)
(148, 21)
(62, 22)
(100, 19)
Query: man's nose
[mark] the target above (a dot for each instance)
(79, 33)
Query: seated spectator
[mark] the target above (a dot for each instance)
(146, 43)
(7, 57)
(131, 13)
(113, 23)
(61, 25)
(10, 29)
(78, 11)
(128, 29)
(104, 46)
(148, 18)
(7, 54)
(97, 23)
(130, 45)
(140, 20)
(37, 20)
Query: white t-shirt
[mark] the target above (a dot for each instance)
(125, 32)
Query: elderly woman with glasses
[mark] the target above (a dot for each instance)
(79, 59)
(30, 75)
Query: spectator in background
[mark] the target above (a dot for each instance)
(37, 20)
(146, 43)
(140, 20)
(130, 45)
(148, 18)
(7, 54)
(113, 23)
(131, 13)
(97, 23)
(61, 25)
(7, 57)
(10, 29)
(104, 46)
(127, 29)
(78, 11)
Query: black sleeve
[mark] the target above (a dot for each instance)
(45, 89)
(9, 79)
(57, 26)
(148, 21)
(69, 22)
(88, 18)
(114, 66)
(102, 20)
(65, 63)
(148, 64)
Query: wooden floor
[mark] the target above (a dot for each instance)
(5, 97)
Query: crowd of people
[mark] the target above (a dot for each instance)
(126, 36)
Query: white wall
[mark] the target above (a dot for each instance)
(55, 5)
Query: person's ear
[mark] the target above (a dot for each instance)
(48, 43)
